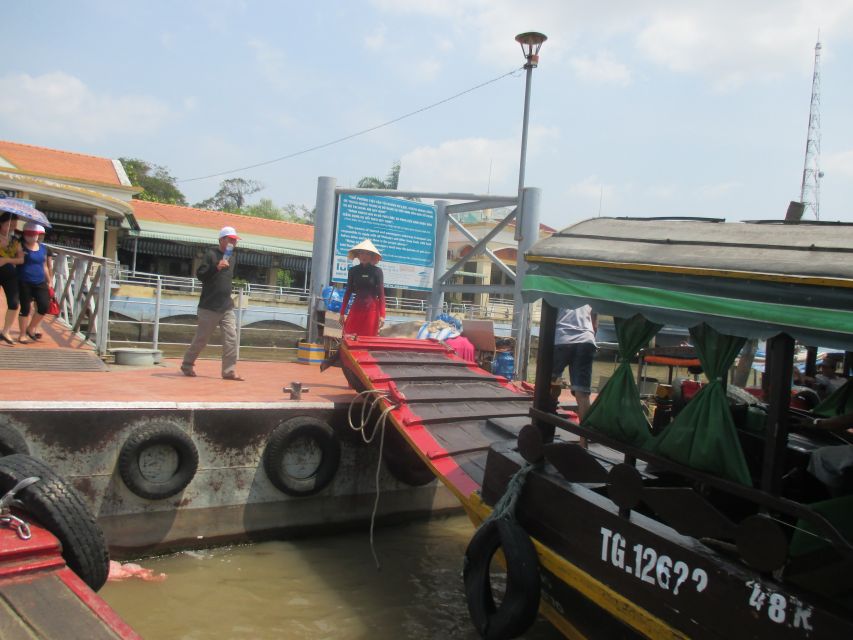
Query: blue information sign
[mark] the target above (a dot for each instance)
(402, 230)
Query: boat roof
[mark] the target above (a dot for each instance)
(753, 279)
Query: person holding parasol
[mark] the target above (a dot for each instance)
(11, 255)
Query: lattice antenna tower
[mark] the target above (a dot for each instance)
(810, 189)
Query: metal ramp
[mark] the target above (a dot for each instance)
(38, 359)
(449, 410)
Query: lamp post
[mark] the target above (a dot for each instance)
(530, 43)
(527, 218)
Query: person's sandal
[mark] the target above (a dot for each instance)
(189, 372)
(33, 336)
(6, 339)
(233, 376)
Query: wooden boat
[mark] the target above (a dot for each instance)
(52, 559)
(710, 527)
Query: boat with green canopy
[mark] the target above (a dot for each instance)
(703, 522)
(711, 525)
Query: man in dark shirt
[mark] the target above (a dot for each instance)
(215, 307)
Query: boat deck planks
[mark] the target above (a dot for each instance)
(448, 409)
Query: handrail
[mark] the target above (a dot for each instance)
(82, 282)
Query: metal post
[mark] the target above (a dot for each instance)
(155, 339)
(529, 216)
(780, 352)
(103, 329)
(521, 165)
(321, 261)
(544, 367)
(135, 246)
(239, 319)
(442, 229)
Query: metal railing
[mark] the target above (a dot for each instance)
(251, 300)
(185, 284)
(83, 283)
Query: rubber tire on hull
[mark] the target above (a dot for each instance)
(283, 437)
(163, 433)
(60, 509)
(402, 462)
(11, 441)
(520, 603)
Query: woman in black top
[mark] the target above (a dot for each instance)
(366, 281)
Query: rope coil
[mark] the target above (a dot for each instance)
(366, 414)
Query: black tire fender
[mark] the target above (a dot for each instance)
(11, 440)
(520, 604)
(285, 441)
(59, 508)
(402, 462)
(137, 470)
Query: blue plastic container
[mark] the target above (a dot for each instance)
(504, 364)
(335, 299)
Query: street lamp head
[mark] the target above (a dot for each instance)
(531, 42)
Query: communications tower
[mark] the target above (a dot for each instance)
(810, 189)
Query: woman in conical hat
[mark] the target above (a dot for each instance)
(366, 281)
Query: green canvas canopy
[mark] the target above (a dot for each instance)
(747, 279)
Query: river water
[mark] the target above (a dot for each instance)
(321, 588)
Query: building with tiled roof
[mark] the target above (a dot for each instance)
(88, 200)
(170, 234)
(69, 167)
(480, 269)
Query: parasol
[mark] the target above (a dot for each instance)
(23, 210)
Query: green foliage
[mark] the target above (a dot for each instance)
(264, 209)
(231, 196)
(158, 184)
(390, 182)
(284, 278)
(298, 213)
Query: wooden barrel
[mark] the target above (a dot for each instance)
(310, 353)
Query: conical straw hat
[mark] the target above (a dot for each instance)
(365, 245)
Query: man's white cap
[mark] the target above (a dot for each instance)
(32, 226)
(228, 232)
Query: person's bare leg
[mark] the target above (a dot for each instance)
(9, 321)
(35, 323)
(23, 322)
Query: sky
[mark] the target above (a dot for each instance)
(659, 107)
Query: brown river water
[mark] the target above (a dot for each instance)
(321, 588)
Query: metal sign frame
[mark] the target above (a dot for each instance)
(525, 212)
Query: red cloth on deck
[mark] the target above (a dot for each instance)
(463, 347)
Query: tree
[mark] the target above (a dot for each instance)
(232, 195)
(298, 213)
(390, 182)
(264, 209)
(158, 185)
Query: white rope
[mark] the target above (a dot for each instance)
(366, 414)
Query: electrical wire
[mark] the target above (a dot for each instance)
(353, 135)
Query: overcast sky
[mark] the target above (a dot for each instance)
(658, 107)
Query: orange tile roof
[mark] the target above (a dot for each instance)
(188, 216)
(59, 164)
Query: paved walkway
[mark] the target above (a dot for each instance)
(163, 383)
